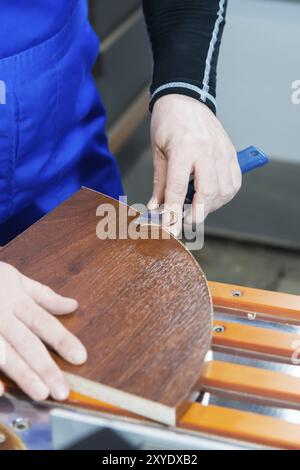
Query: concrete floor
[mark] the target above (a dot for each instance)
(222, 259)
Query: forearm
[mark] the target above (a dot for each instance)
(185, 36)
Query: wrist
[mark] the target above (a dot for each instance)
(183, 88)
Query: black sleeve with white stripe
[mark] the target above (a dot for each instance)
(185, 36)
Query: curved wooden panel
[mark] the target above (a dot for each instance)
(145, 310)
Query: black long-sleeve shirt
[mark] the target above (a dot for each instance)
(185, 36)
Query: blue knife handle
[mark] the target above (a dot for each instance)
(248, 159)
(251, 158)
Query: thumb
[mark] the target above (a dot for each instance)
(159, 180)
(47, 298)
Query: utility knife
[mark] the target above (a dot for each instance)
(249, 159)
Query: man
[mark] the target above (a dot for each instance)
(52, 141)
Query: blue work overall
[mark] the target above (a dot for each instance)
(52, 120)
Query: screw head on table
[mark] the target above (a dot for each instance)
(219, 329)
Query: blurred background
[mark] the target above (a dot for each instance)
(254, 240)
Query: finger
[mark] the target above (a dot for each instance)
(176, 188)
(226, 187)
(206, 191)
(159, 180)
(17, 370)
(225, 180)
(195, 213)
(236, 173)
(1, 386)
(47, 298)
(52, 332)
(35, 354)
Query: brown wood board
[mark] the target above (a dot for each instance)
(145, 311)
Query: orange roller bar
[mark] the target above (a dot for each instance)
(245, 382)
(222, 422)
(218, 421)
(269, 343)
(242, 425)
(246, 299)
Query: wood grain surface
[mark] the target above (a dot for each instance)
(145, 312)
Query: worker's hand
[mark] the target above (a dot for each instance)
(187, 138)
(26, 321)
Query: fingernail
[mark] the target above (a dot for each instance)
(169, 218)
(78, 356)
(72, 302)
(39, 391)
(60, 392)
